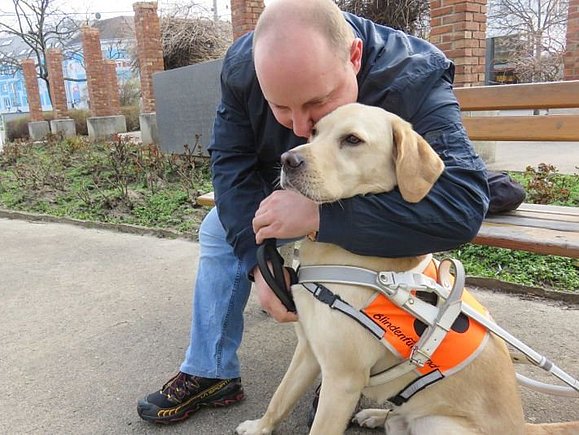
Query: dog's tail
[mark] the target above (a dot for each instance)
(570, 428)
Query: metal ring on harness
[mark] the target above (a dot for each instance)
(267, 252)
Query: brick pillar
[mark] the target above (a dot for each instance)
(149, 49)
(56, 80)
(32, 91)
(571, 58)
(110, 67)
(244, 15)
(96, 76)
(458, 29)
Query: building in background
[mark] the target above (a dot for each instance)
(117, 40)
(499, 52)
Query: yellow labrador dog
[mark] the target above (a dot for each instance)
(358, 150)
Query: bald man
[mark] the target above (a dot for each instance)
(304, 60)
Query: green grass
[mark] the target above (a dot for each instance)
(116, 182)
(119, 182)
(546, 271)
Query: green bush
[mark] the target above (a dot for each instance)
(17, 129)
(80, 116)
(132, 116)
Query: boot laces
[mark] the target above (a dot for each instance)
(180, 386)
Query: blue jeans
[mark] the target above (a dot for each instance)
(220, 296)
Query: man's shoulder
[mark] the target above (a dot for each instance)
(384, 45)
(238, 61)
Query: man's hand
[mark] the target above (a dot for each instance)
(269, 301)
(285, 215)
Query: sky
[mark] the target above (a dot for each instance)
(112, 8)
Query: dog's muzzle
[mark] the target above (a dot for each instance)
(292, 164)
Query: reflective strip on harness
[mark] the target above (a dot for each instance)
(415, 386)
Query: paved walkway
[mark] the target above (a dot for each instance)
(91, 320)
(516, 156)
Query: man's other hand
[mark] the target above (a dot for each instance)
(285, 215)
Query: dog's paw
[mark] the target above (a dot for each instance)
(253, 427)
(371, 418)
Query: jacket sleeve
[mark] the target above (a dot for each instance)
(238, 186)
(451, 214)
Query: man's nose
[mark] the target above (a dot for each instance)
(302, 125)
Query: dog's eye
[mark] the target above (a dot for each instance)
(313, 133)
(351, 140)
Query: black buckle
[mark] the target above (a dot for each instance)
(325, 295)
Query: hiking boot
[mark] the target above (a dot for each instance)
(184, 394)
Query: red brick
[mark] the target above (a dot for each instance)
(244, 15)
(439, 12)
(110, 70)
(96, 76)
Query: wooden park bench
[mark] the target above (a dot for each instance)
(542, 229)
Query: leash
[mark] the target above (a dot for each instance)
(267, 254)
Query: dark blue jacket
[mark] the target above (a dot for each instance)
(400, 73)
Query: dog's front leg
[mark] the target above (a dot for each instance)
(338, 399)
(301, 373)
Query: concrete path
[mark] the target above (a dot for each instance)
(92, 320)
(516, 156)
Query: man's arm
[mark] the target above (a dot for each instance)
(448, 216)
(239, 189)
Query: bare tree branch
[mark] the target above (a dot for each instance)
(40, 26)
(537, 36)
(410, 16)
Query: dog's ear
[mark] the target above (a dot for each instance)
(417, 164)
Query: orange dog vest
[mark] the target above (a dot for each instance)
(402, 331)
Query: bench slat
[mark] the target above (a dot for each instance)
(549, 209)
(549, 128)
(207, 199)
(538, 240)
(538, 216)
(541, 222)
(520, 96)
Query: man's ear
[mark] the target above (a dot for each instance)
(417, 164)
(356, 50)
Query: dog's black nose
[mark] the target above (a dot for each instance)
(291, 159)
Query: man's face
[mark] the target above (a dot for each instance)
(305, 79)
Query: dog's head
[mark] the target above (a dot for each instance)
(357, 150)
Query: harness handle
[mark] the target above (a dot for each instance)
(276, 280)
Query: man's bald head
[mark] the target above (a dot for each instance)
(282, 19)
